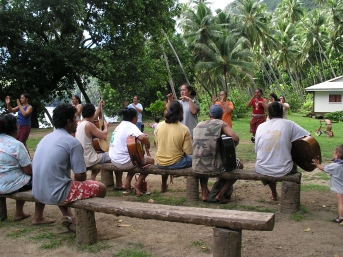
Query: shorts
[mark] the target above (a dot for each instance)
(82, 190)
(215, 174)
(23, 134)
(255, 122)
(105, 158)
(293, 171)
(183, 163)
(26, 187)
(127, 166)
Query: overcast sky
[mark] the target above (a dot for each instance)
(215, 3)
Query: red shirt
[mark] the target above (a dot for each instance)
(260, 108)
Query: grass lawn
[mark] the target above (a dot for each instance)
(245, 150)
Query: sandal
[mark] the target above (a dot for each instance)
(337, 220)
(67, 222)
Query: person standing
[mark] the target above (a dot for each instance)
(139, 108)
(285, 106)
(174, 144)
(226, 105)
(16, 169)
(335, 169)
(24, 110)
(259, 106)
(273, 146)
(119, 152)
(56, 155)
(191, 107)
(76, 102)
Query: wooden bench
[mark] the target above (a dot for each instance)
(228, 224)
(290, 192)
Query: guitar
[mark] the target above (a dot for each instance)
(227, 152)
(136, 151)
(304, 150)
(100, 145)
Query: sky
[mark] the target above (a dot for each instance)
(215, 3)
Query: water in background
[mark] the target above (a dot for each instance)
(50, 110)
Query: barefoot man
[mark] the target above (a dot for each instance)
(56, 155)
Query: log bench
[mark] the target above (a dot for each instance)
(290, 192)
(227, 231)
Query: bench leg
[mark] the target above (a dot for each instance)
(290, 197)
(3, 209)
(192, 189)
(86, 232)
(107, 178)
(226, 243)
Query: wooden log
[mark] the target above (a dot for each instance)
(235, 174)
(192, 189)
(230, 219)
(107, 178)
(226, 243)
(290, 197)
(3, 209)
(86, 232)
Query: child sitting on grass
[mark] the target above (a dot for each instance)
(154, 126)
(335, 169)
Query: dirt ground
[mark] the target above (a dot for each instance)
(314, 235)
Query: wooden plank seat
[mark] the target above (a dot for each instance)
(290, 193)
(228, 224)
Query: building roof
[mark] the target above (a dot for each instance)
(335, 84)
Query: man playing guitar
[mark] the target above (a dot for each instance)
(206, 155)
(119, 152)
(259, 106)
(273, 145)
(86, 131)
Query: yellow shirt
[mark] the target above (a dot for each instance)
(173, 141)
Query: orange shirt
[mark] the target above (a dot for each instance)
(227, 116)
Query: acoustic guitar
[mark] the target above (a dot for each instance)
(304, 150)
(100, 145)
(227, 152)
(136, 151)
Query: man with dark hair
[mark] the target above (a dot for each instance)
(86, 131)
(259, 106)
(174, 145)
(139, 108)
(56, 154)
(273, 145)
(206, 154)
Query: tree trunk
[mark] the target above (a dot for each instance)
(82, 89)
(171, 82)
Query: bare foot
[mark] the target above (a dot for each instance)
(21, 217)
(273, 198)
(222, 201)
(138, 192)
(43, 221)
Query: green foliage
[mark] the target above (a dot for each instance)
(239, 101)
(300, 215)
(334, 116)
(157, 108)
(132, 253)
(307, 107)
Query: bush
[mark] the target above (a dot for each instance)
(239, 101)
(334, 116)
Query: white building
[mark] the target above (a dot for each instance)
(327, 96)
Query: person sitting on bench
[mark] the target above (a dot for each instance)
(56, 154)
(273, 145)
(16, 169)
(206, 155)
(174, 144)
(119, 152)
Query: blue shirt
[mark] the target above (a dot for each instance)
(24, 120)
(13, 156)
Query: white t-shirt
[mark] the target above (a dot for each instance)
(273, 145)
(118, 151)
(139, 106)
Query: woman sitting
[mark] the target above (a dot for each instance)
(16, 170)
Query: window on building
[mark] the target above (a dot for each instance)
(335, 98)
